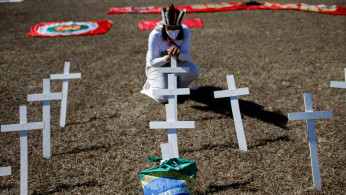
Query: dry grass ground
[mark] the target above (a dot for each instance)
(279, 55)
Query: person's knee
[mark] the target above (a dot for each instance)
(194, 70)
(190, 76)
(195, 74)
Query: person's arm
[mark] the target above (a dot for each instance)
(153, 56)
(185, 46)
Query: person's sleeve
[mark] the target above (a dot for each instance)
(185, 46)
(153, 56)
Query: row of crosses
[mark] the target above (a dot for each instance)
(23, 127)
(309, 115)
(170, 149)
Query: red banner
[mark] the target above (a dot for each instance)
(151, 24)
(54, 29)
(335, 9)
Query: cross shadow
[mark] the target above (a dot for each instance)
(94, 118)
(77, 150)
(211, 147)
(6, 186)
(67, 187)
(219, 188)
(205, 95)
(264, 142)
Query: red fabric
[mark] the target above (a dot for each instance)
(335, 9)
(151, 24)
(103, 27)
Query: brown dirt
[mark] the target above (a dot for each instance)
(279, 55)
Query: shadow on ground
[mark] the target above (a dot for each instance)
(243, 186)
(264, 142)
(77, 150)
(205, 95)
(260, 143)
(68, 187)
(94, 118)
(6, 186)
(212, 147)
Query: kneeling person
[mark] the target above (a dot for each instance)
(170, 39)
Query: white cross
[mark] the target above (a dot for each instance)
(233, 93)
(338, 84)
(46, 96)
(170, 149)
(65, 77)
(172, 90)
(310, 115)
(23, 128)
(4, 171)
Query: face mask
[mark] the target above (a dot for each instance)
(173, 34)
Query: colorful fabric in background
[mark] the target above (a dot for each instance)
(216, 7)
(54, 29)
(151, 24)
(173, 176)
(10, 1)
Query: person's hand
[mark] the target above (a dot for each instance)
(168, 57)
(174, 51)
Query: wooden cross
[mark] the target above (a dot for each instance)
(170, 149)
(23, 128)
(65, 77)
(233, 93)
(338, 84)
(4, 171)
(309, 115)
(172, 90)
(46, 96)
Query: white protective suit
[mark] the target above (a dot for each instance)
(156, 58)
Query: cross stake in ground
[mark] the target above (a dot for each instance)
(338, 84)
(233, 93)
(46, 96)
(23, 127)
(170, 149)
(309, 115)
(65, 77)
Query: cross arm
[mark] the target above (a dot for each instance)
(65, 76)
(173, 70)
(5, 171)
(230, 93)
(180, 91)
(42, 97)
(310, 115)
(338, 84)
(172, 125)
(22, 127)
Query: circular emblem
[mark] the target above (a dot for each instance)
(67, 28)
(165, 185)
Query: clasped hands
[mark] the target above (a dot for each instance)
(172, 51)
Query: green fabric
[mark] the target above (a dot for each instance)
(172, 176)
(179, 165)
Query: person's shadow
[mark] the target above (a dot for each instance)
(205, 95)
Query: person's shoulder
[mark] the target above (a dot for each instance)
(185, 28)
(156, 33)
